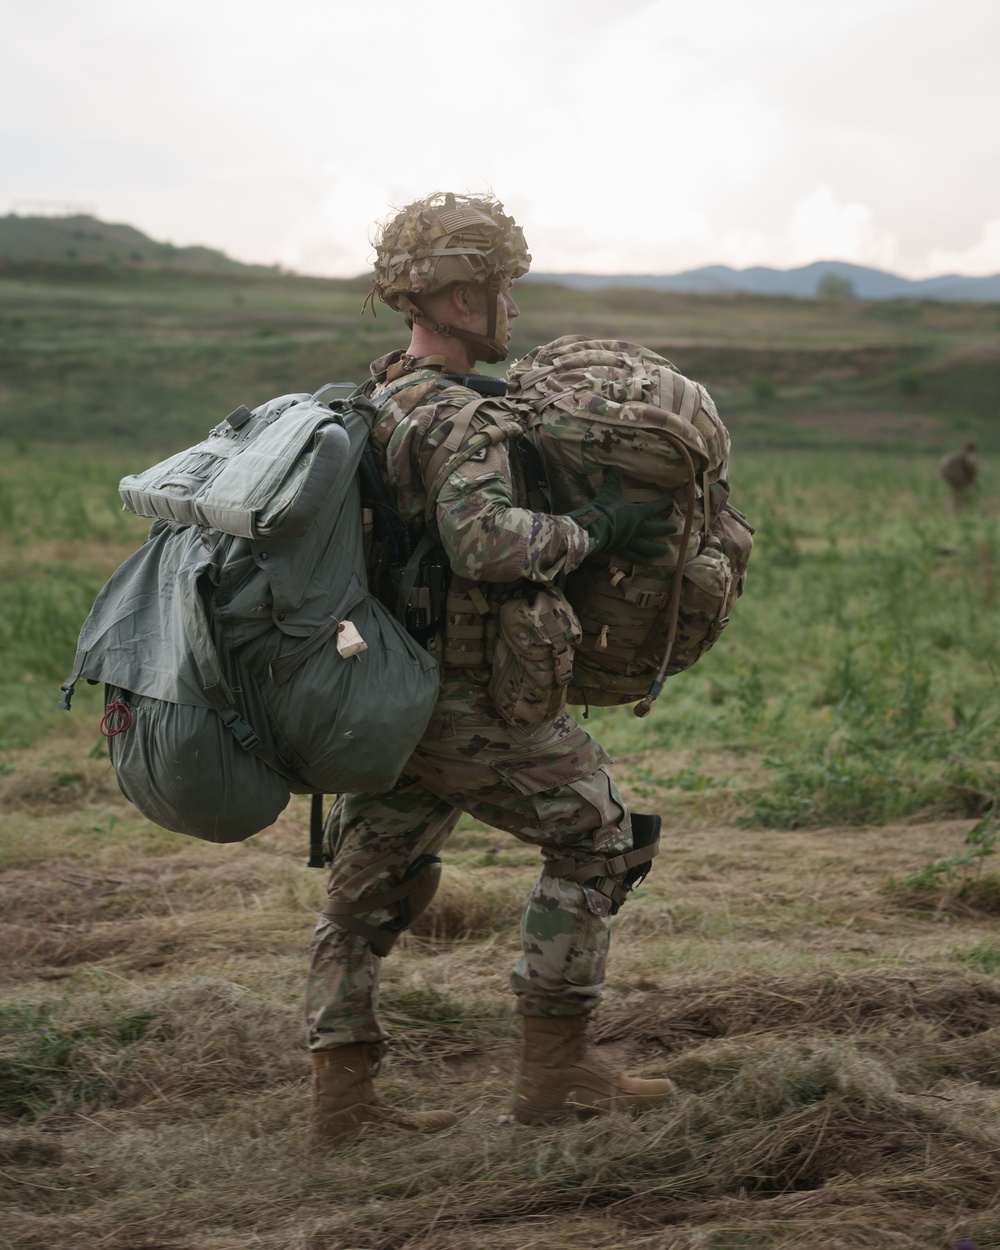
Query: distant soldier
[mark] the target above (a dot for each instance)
(959, 470)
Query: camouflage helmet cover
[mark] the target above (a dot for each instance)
(442, 239)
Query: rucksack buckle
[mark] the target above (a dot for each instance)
(646, 598)
(244, 733)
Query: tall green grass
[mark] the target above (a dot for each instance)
(63, 531)
(862, 663)
(153, 359)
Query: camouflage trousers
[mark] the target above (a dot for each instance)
(549, 787)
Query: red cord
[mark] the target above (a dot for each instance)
(117, 718)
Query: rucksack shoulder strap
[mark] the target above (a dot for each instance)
(461, 423)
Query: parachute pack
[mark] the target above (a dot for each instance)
(243, 655)
(592, 404)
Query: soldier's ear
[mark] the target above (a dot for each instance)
(461, 298)
(468, 299)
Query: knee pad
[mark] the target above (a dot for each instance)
(413, 896)
(614, 876)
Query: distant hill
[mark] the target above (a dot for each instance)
(83, 240)
(803, 283)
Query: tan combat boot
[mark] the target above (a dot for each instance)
(343, 1099)
(559, 1075)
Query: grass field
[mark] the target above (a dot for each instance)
(814, 959)
(154, 359)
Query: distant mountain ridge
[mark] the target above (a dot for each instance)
(87, 240)
(804, 283)
(801, 283)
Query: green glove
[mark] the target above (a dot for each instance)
(628, 529)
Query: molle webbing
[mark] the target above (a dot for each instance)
(553, 627)
(618, 637)
(467, 613)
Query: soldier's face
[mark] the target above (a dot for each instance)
(507, 310)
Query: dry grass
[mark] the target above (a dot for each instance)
(838, 1050)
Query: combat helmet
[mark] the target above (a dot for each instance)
(448, 238)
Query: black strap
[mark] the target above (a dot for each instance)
(333, 386)
(410, 574)
(316, 857)
(481, 383)
(610, 875)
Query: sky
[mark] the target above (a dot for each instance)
(626, 136)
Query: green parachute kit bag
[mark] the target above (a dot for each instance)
(243, 656)
(593, 404)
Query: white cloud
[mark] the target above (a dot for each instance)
(743, 249)
(980, 260)
(821, 228)
(818, 227)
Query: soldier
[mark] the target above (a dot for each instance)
(447, 263)
(959, 469)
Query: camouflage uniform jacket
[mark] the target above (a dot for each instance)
(486, 534)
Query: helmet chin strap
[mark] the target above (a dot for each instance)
(488, 349)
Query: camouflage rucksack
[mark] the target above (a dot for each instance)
(591, 404)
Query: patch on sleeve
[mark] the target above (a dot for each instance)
(488, 462)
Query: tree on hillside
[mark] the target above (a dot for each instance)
(832, 286)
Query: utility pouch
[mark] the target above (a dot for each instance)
(533, 657)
